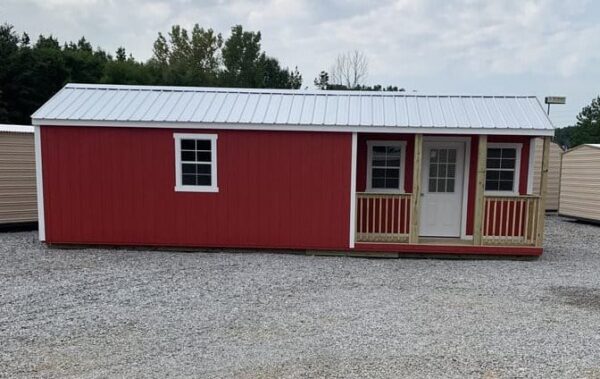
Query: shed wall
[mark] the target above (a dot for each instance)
(552, 191)
(276, 189)
(580, 183)
(17, 178)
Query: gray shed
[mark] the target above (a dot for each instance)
(18, 203)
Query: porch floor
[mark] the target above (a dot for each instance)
(444, 241)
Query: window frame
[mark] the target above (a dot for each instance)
(517, 178)
(179, 186)
(392, 143)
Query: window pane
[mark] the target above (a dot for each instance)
(202, 145)
(378, 183)
(188, 156)
(188, 168)
(433, 170)
(506, 185)
(491, 185)
(203, 169)
(442, 171)
(392, 183)
(441, 185)
(450, 185)
(492, 175)
(188, 180)
(494, 153)
(379, 173)
(433, 156)
(203, 156)
(508, 163)
(507, 175)
(452, 156)
(188, 144)
(379, 149)
(443, 155)
(509, 153)
(379, 163)
(203, 180)
(393, 163)
(493, 163)
(393, 173)
(451, 173)
(432, 185)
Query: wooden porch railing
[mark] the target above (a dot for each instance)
(382, 217)
(511, 220)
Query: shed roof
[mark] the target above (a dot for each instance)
(6, 128)
(200, 107)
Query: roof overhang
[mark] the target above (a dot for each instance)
(298, 128)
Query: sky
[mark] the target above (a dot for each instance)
(484, 47)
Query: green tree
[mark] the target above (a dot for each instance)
(586, 130)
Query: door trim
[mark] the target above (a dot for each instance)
(467, 170)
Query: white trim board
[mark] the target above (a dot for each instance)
(39, 179)
(517, 180)
(300, 128)
(353, 191)
(370, 144)
(179, 186)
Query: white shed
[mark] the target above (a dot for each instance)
(18, 202)
(580, 183)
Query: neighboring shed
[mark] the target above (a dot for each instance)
(580, 183)
(553, 189)
(18, 203)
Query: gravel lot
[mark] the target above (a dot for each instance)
(107, 313)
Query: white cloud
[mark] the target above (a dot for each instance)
(514, 45)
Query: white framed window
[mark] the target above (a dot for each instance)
(502, 168)
(385, 166)
(195, 162)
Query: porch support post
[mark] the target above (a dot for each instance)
(478, 221)
(415, 204)
(539, 235)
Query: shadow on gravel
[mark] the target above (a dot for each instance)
(580, 297)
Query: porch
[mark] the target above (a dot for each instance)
(498, 222)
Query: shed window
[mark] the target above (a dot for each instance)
(196, 166)
(502, 169)
(386, 165)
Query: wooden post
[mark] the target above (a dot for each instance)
(478, 221)
(541, 212)
(415, 206)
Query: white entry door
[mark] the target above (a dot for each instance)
(442, 188)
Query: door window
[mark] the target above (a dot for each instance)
(442, 170)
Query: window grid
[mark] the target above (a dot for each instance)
(196, 156)
(500, 169)
(386, 168)
(442, 170)
(195, 162)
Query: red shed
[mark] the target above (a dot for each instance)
(324, 171)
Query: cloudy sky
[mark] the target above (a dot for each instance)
(430, 46)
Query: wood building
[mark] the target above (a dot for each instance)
(580, 183)
(554, 162)
(357, 172)
(17, 176)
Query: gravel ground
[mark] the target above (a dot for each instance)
(119, 313)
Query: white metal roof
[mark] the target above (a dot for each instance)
(151, 106)
(5, 128)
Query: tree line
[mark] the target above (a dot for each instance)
(31, 72)
(585, 130)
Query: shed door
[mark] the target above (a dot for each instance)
(442, 189)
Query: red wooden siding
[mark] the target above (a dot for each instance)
(276, 189)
